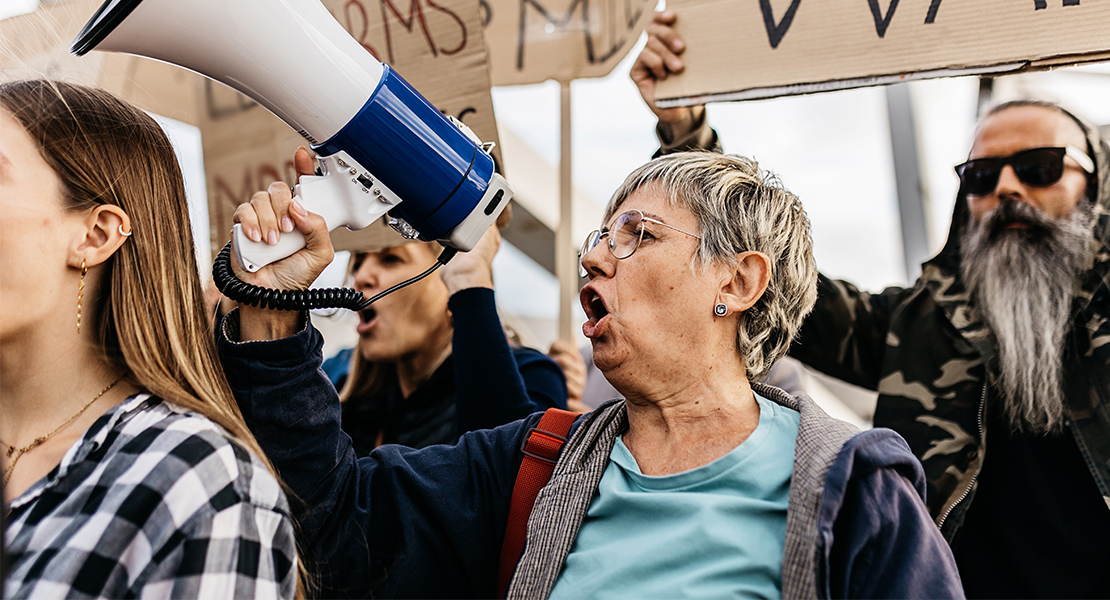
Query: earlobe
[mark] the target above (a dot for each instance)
(107, 227)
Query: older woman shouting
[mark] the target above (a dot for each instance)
(700, 484)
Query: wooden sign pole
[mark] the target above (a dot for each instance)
(566, 254)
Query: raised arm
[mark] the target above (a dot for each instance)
(846, 334)
(679, 129)
(493, 384)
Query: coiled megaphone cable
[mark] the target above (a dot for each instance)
(351, 299)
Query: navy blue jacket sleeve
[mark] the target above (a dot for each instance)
(399, 523)
(493, 384)
(882, 542)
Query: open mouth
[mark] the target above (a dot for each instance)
(593, 305)
(366, 318)
(1011, 216)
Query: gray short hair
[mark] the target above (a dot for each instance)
(741, 208)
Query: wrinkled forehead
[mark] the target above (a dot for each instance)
(1023, 127)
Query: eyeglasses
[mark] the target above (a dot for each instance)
(625, 236)
(1038, 167)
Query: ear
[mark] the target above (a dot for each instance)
(748, 282)
(103, 235)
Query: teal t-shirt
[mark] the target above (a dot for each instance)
(716, 531)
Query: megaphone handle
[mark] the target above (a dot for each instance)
(326, 195)
(253, 255)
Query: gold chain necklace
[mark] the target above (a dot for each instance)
(19, 452)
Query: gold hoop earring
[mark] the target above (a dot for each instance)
(81, 293)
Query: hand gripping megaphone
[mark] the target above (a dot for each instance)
(382, 147)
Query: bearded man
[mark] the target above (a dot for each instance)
(994, 364)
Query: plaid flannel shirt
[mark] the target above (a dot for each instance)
(152, 501)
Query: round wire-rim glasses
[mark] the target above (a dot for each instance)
(624, 236)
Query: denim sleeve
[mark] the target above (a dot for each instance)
(400, 522)
(883, 544)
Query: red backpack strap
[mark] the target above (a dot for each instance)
(541, 448)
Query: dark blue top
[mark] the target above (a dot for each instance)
(483, 384)
(429, 523)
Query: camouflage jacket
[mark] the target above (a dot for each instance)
(929, 354)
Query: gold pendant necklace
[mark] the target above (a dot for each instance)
(19, 452)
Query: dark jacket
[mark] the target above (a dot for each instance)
(930, 355)
(429, 523)
(477, 387)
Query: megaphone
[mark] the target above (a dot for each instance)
(382, 147)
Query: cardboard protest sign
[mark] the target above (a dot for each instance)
(748, 49)
(535, 40)
(436, 45)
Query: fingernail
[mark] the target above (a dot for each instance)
(678, 45)
(272, 238)
(286, 224)
(256, 235)
(675, 64)
(300, 209)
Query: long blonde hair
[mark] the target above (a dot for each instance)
(152, 324)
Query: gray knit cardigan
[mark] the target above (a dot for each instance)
(561, 506)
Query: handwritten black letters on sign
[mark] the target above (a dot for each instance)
(777, 30)
(881, 22)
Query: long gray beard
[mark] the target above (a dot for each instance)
(1023, 282)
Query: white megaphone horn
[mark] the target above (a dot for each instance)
(382, 146)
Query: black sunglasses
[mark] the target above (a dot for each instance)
(1037, 167)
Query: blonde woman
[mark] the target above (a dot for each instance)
(127, 468)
